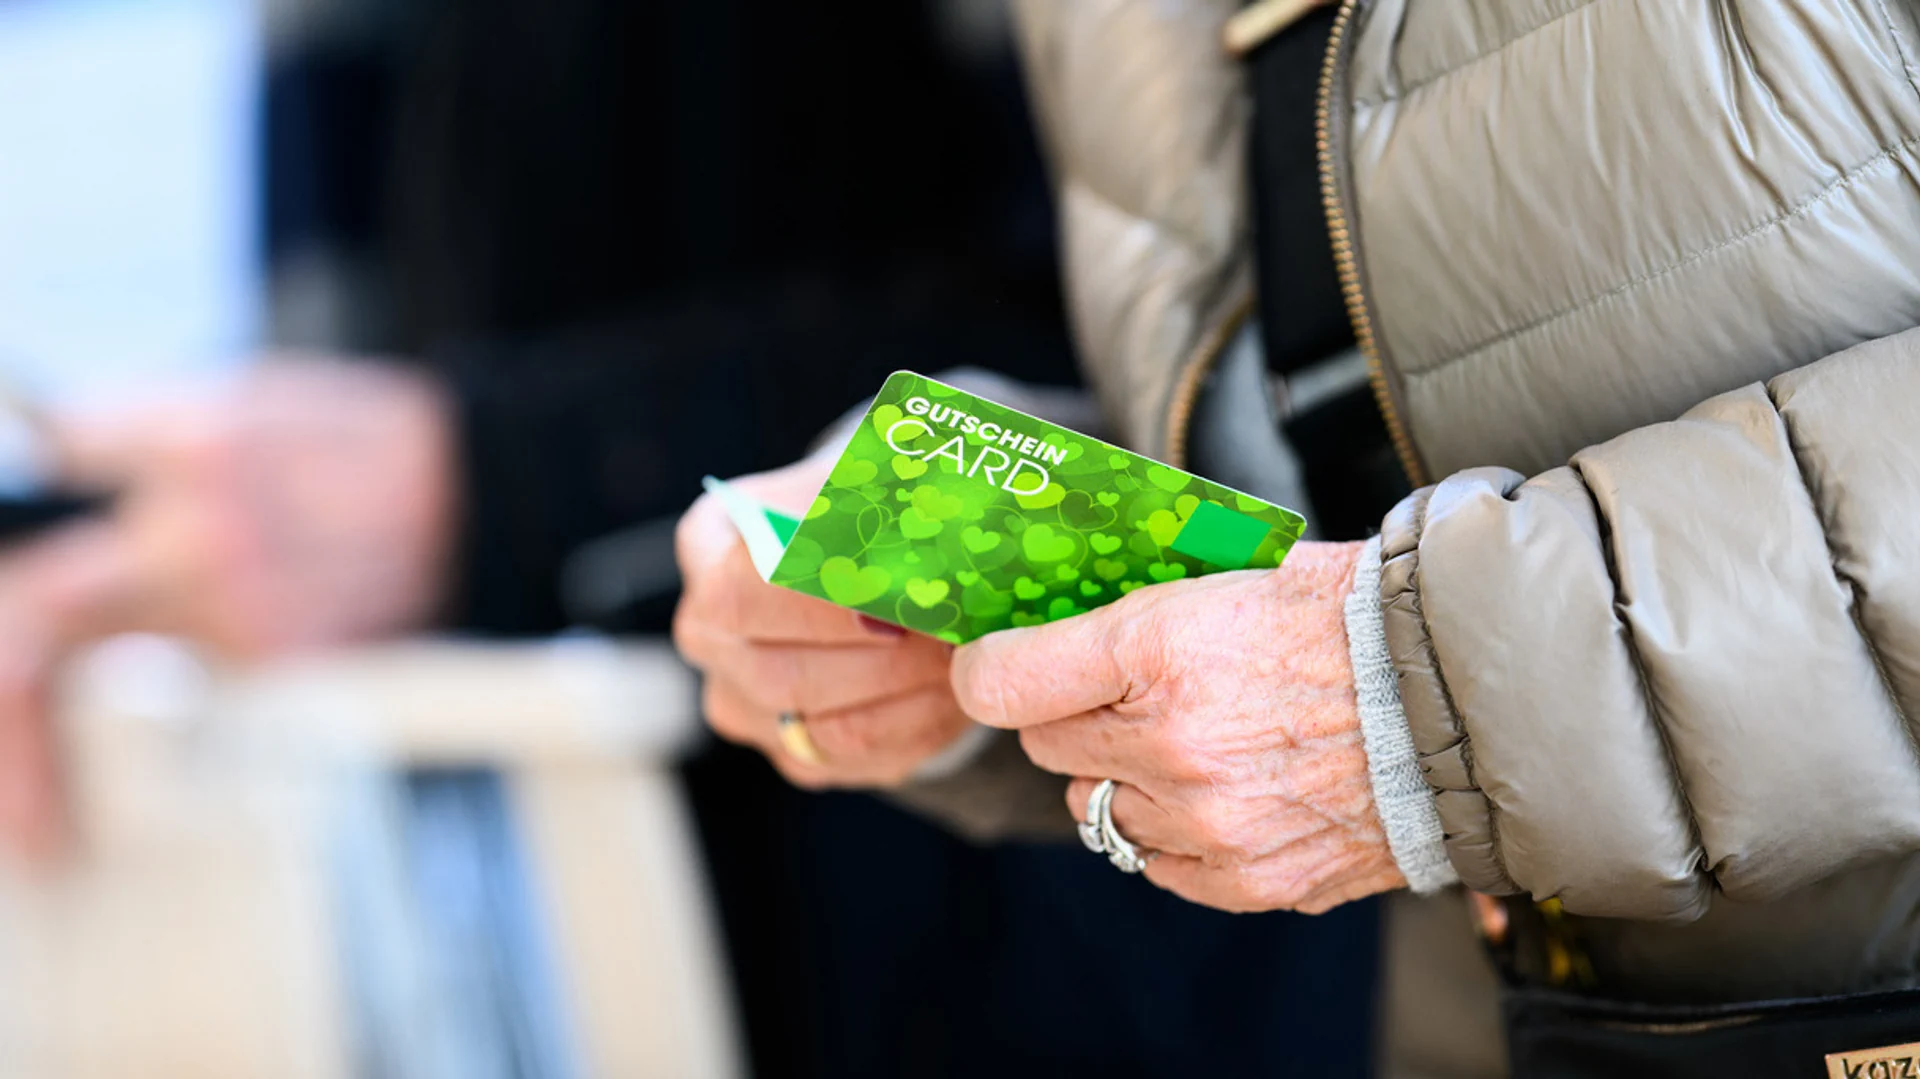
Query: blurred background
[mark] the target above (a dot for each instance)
(627, 243)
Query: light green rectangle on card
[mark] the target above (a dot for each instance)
(1222, 537)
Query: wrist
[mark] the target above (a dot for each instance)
(1401, 797)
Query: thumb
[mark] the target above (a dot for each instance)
(704, 537)
(1015, 678)
(76, 583)
(706, 533)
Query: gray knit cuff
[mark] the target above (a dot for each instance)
(1399, 790)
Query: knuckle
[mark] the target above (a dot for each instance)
(729, 604)
(686, 634)
(772, 676)
(1143, 645)
(723, 715)
(1125, 636)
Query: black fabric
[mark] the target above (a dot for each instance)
(1352, 474)
(1559, 1036)
(898, 950)
(1347, 460)
(559, 158)
(1302, 317)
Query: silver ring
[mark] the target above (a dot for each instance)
(1119, 850)
(1099, 808)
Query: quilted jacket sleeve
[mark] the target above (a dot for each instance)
(1687, 662)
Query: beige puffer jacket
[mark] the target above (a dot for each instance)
(1671, 679)
(1679, 666)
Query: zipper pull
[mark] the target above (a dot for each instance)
(1252, 25)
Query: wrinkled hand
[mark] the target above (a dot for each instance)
(307, 503)
(876, 699)
(1225, 708)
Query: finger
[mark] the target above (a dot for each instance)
(789, 488)
(815, 678)
(1197, 882)
(706, 529)
(885, 742)
(1341, 892)
(731, 596)
(876, 745)
(1312, 876)
(703, 537)
(1318, 872)
(1234, 889)
(197, 567)
(33, 818)
(1020, 677)
(1102, 742)
(737, 719)
(1137, 817)
(76, 582)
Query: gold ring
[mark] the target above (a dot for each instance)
(797, 742)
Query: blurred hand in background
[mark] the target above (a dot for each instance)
(875, 699)
(309, 502)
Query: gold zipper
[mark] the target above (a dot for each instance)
(1346, 256)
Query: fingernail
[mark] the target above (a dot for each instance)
(878, 628)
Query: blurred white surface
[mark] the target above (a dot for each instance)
(195, 935)
(128, 210)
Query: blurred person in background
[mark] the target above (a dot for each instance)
(627, 244)
(1656, 699)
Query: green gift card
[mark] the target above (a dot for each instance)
(955, 516)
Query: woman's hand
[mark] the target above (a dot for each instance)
(1224, 706)
(307, 503)
(875, 700)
